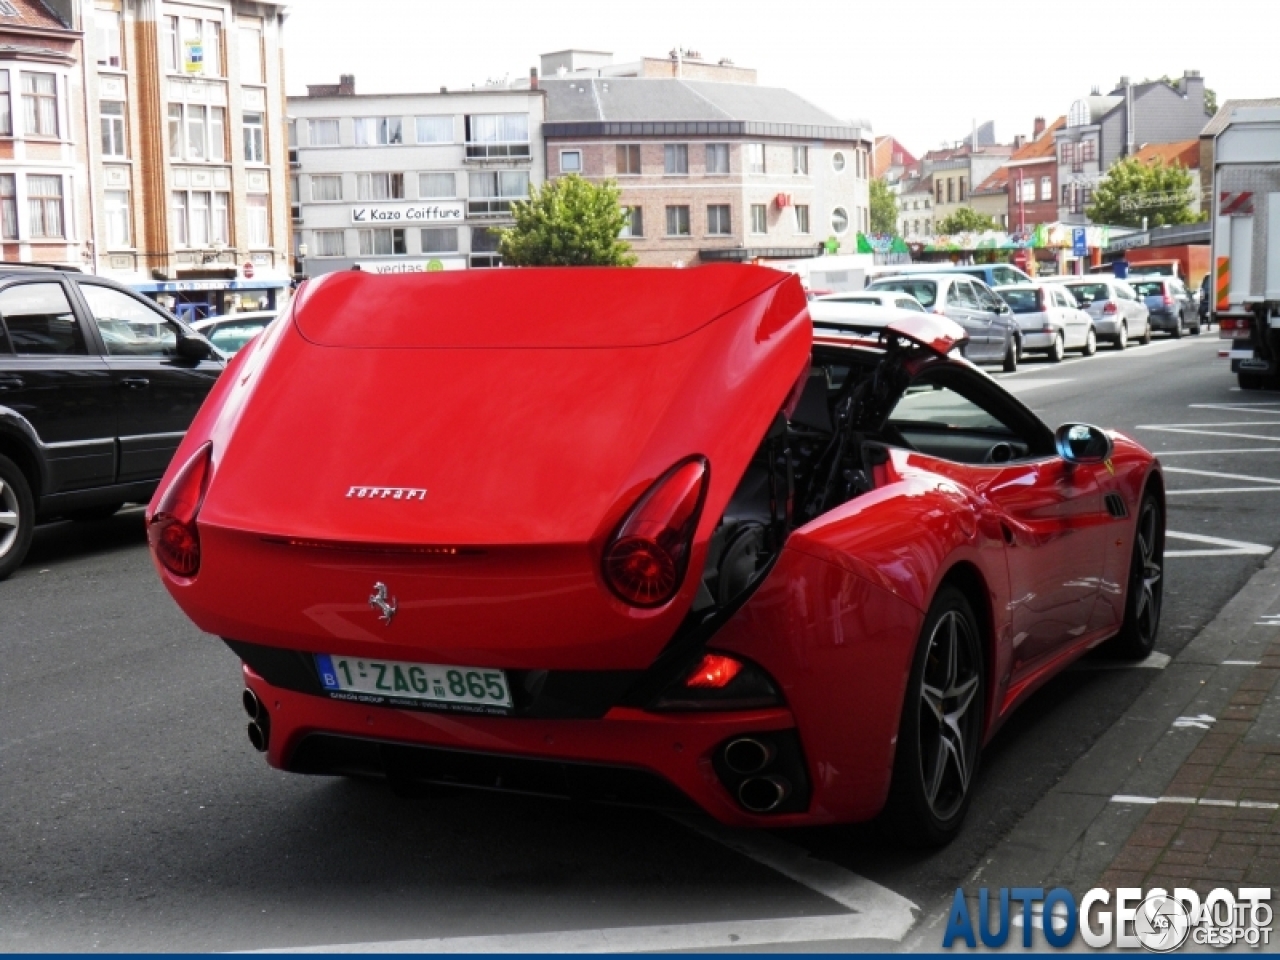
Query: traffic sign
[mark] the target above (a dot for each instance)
(248, 271)
(1079, 245)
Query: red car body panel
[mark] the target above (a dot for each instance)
(535, 407)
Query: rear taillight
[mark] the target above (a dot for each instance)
(1236, 325)
(1110, 308)
(1040, 307)
(172, 527)
(713, 671)
(645, 561)
(1168, 300)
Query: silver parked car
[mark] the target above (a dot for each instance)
(1119, 315)
(879, 298)
(1050, 319)
(994, 336)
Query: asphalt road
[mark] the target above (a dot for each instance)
(135, 816)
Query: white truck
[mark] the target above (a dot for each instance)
(1246, 244)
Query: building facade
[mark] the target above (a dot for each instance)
(712, 170)
(400, 183)
(44, 195)
(915, 206)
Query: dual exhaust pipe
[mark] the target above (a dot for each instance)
(758, 792)
(259, 720)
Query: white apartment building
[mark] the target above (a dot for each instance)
(396, 183)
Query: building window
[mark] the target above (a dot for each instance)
(837, 162)
(717, 158)
(326, 188)
(440, 240)
(839, 220)
(259, 221)
(491, 135)
(800, 161)
(759, 218)
(40, 104)
(382, 243)
(1086, 151)
(178, 204)
(962, 186)
(323, 133)
(490, 193)
(201, 48)
(675, 158)
(634, 225)
(437, 186)
(379, 131)
(251, 70)
(8, 206)
(1066, 195)
(6, 112)
(110, 52)
(628, 159)
(753, 157)
(719, 223)
(433, 129)
(380, 186)
(678, 221)
(802, 218)
(200, 218)
(1066, 152)
(951, 190)
(484, 248)
(44, 206)
(112, 119)
(169, 44)
(570, 161)
(939, 186)
(1046, 188)
(255, 144)
(329, 243)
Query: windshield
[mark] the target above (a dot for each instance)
(1149, 288)
(1023, 299)
(1087, 293)
(926, 291)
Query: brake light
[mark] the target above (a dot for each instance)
(1110, 307)
(645, 561)
(1229, 324)
(171, 529)
(1168, 300)
(713, 672)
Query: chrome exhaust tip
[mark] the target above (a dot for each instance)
(747, 755)
(252, 705)
(258, 737)
(763, 794)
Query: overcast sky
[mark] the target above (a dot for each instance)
(923, 70)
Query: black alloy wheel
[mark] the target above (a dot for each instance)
(1145, 593)
(17, 517)
(940, 733)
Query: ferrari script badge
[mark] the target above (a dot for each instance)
(378, 601)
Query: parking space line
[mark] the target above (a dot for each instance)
(1153, 661)
(1221, 476)
(1227, 548)
(1228, 423)
(1196, 453)
(1204, 802)
(1210, 433)
(1266, 488)
(874, 913)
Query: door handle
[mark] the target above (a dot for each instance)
(135, 383)
(11, 383)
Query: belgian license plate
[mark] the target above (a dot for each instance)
(426, 683)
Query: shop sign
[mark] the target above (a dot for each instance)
(431, 265)
(193, 56)
(400, 213)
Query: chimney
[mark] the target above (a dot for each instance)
(1037, 129)
(1019, 141)
(533, 78)
(347, 85)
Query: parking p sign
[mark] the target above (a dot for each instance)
(1079, 247)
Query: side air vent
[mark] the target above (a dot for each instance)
(1115, 505)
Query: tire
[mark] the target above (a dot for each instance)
(17, 517)
(1177, 329)
(1058, 350)
(90, 514)
(1090, 343)
(1145, 593)
(1122, 338)
(1146, 333)
(1195, 331)
(1250, 381)
(1011, 357)
(938, 751)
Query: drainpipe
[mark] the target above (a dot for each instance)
(88, 140)
(1128, 99)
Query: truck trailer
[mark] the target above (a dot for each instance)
(1246, 244)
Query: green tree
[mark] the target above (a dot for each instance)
(884, 208)
(569, 222)
(1132, 190)
(966, 220)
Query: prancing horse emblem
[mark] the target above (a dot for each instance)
(386, 608)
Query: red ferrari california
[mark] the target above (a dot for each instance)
(646, 536)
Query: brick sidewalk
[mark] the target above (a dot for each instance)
(1217, 823)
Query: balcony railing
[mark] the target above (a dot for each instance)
(498, 151)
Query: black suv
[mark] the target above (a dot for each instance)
(97, 387)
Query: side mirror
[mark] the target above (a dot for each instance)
(1082, 443)
(195, 348)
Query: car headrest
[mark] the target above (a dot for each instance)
(813, 409)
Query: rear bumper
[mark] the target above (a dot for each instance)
(1038, 339)
(629, 756)
(1162, 320)
(1108, 327)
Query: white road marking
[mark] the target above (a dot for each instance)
(875, 912)
(1222, 476)
(1148, 801)
(1226, 423)
(1227, 548)
(1197, 453)
(1185, 493)
(1242, 663)
(1234, 406)
(1268, 620)
(1201, 720)
(1211, 433)
(1154, 661)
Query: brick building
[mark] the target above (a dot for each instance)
(187, 158)
(44, 213)
(710, 169)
